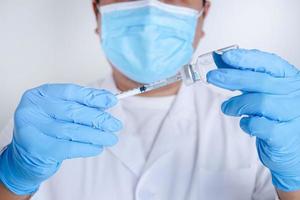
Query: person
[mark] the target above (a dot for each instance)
(171, 143)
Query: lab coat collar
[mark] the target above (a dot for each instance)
(168, 138)
(129, 150)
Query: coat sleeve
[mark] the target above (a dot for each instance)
(264, 189)
(6, 136)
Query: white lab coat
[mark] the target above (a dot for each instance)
(199, 154)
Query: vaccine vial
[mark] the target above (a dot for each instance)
(197, 71)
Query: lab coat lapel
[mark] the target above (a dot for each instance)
(168, 137)
(129, 149)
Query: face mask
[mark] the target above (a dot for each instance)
(148, 40)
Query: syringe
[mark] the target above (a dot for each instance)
(189, 73)
(149, 87)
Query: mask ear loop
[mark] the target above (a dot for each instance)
(200, 13)
(196, 51)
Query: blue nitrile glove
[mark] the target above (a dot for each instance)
(271, 103)
(54, 123)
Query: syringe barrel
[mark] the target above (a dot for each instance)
(197, 71)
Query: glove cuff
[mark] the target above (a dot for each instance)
(286, 184)
(14, 175)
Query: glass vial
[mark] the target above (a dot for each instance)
(192, 73)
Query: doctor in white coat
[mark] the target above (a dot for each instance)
(70, 142)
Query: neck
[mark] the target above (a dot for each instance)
(123, 84)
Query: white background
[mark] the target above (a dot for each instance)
(53, 40)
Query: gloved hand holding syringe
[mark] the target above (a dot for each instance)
(190, 74)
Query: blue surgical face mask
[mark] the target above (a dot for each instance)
(148, 40)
